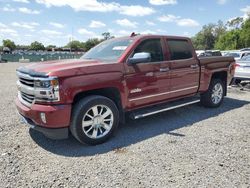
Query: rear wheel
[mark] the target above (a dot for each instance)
(214, 96)
(94, 120)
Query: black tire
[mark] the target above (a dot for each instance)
(207, 99)
(82, 108)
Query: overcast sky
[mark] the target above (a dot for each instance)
(56, 21)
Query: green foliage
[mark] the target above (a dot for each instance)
(237, 38)
(229, 41)
(245, 34)
(76, 45)
(217, 36)
(50, 46)
(232, 39)
(235, 23)
(36, 46)
(10, 44)
(107, 35)
(91, 43)
(23, 47)
(205, 38)
(219, 29)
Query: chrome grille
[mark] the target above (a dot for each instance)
(27, 82)
(26, 88)
(28, 98)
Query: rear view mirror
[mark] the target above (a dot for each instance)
(141, 57)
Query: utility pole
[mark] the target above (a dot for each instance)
(71, 38)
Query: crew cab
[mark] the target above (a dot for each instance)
(134, 76)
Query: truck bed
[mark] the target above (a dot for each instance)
(215, 62)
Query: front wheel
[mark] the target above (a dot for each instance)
(94, 120)
(215, 94)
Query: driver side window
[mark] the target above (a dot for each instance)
(152, 46)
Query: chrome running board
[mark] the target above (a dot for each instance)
(162, 108)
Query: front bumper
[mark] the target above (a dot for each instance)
(57, 118)
(59, 133)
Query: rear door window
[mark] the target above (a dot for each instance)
(179, 49)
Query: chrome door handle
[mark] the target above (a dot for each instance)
(194, 66)
(164, 69)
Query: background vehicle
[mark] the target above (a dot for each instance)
(245, 49)
(140, 75)
(237, 54)
(214, 52)
(242, 71)
(201, 53)
(208, 53)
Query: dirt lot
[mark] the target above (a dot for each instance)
(187, 147)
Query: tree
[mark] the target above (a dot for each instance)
(76, 45)
(90, 43)
(50, 46)
(235, 23)
(10, 44)
(235, 38)
(22, 47)
(36, 46)
(205, 39)
(229, 41)
(245, 33)
(219, 29)
(107, 35)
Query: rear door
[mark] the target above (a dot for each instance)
(184, 68)
(147, 82)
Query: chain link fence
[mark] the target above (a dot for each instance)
(32, 57)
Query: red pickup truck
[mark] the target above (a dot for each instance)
(139, 75)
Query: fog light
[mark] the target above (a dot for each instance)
(43, 117)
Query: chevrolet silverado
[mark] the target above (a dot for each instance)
(138, 75)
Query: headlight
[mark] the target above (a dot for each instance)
(47, 90)
(42, 83)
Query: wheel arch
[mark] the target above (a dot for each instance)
(112, 93)
(222, 75)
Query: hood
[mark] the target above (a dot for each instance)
(63, 68)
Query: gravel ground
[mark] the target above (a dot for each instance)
(188, 147)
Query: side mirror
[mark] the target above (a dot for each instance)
(141, 57)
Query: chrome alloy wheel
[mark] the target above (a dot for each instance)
(97, 121)
(217, 93)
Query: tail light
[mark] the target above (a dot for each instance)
(236, 65)
(233, 67)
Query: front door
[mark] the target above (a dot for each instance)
(147, 82)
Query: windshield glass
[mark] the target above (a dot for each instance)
(245, 58)
(110, 50)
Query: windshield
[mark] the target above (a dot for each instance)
(110, 50)
(245, 58)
